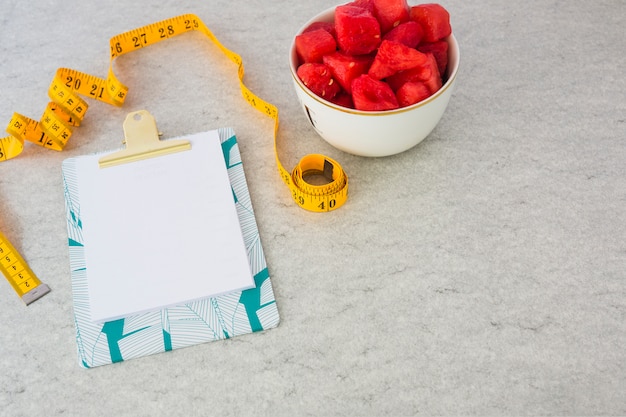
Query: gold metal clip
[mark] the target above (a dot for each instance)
(142, 141)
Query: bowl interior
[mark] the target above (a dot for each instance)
(328, 16)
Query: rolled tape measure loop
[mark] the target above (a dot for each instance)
(319, 198)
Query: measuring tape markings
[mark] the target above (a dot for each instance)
(19, 274)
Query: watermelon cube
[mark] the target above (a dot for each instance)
(343, 99)
(440, 50)
(364, 4)
(358, 31)
(412, 92)
(417, 74)
(408, 33)
(393, 57)
(317, 77)
(311, 46)
(434, 82)
(390, 13)
(327, 26)
(435, 21)
(372, 95)
(346, 68)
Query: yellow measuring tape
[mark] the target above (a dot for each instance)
(67, 109)
(20, 276)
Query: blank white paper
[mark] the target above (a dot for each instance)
(160, 232)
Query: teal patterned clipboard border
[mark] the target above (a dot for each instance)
(203, 321)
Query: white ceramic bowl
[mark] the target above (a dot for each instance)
(374, 133)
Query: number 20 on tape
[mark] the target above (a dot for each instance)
(19, 274)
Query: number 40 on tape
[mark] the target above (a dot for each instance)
(19, 274)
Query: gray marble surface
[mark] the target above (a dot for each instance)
(479, 273)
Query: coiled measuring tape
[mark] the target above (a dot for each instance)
(67, 109)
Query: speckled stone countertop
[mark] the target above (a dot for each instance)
(480, 273)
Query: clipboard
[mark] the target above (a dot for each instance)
(222, 315)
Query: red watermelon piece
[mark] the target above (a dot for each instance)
(417, 74)
(390, 13)
(440, 50)
(408, 33)
(393, 57)
(372, 95)
(434, 82)
(311, 46)
(346, 68)
(327, 26)
(358, 31)
(343, 99)
(317, 77)
(364, 4)
(412, 92)
(435, 21)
